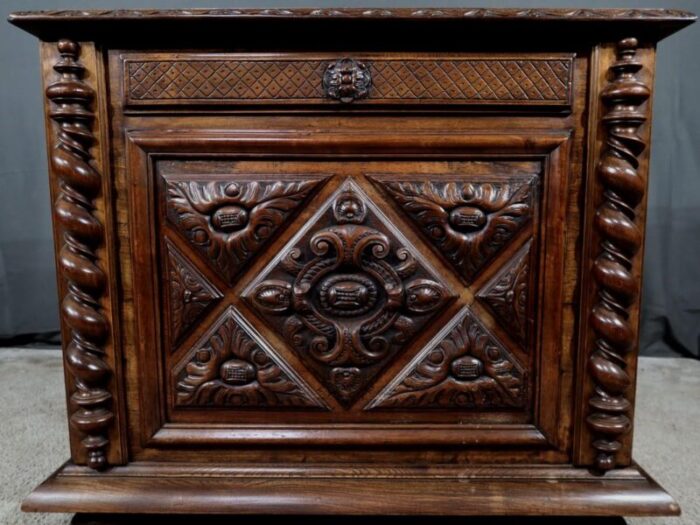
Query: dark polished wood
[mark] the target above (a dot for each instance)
(343, 275)
(172, 519)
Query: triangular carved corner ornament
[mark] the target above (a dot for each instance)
(230, 221)
(463, 367)
(190, 294)
(467, 223)
(507, 296)
(232, 366)
(348, 293)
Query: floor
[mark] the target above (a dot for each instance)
(33, 435)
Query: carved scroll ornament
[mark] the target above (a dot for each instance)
(190, 294)
(620, 239)
(79, 185)
(348, 295)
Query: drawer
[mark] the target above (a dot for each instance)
(361, 79)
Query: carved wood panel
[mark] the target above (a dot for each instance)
(464, 367)
(231, 366)
(348, 293)
(507, 295)
(190, 294)
(519, 80)
(468, 223)
(229, 221)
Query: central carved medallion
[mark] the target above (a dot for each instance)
(347, 293)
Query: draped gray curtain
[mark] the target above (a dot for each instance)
(671, 294)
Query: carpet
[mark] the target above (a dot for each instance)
(34, 428)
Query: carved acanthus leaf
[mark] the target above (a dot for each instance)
(506, 295)
(347, 293)
(468, 223)
(190, 294)
(466, 368)
(228, 222)
(231, 366)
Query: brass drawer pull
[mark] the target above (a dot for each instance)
(347, 80)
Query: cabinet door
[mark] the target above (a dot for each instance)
(346, 290)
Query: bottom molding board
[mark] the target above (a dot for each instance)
(471, 490)
(174, 519)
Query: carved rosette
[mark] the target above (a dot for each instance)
(229, 222)
(190, 294)
(347, 80)
(506, 295)
(468, 223)
(347, 293)
(233, 367)
(466, 368)
(620, 239)
(79, 184)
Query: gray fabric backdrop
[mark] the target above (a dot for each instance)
(671, 300)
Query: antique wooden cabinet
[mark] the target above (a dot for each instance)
(350, 261)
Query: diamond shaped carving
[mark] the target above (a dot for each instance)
(231, 366)
(190, 294)
(230, 221)
(464, 367)
(506, 295)
(348, 293)
(468, 223)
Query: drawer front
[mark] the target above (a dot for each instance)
(230, 79)
(389, 296)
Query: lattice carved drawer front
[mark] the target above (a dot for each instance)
(231, 79)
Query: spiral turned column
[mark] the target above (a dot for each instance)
(621, 237)
(79, 184)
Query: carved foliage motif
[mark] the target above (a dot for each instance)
(79, 186)
(506, 295)
(465, 368)
(347, 293)
(230, 221)
(231, 367)
(190, 294)
(620, 235)
(468, 223)
(347, 80)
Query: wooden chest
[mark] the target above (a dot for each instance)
(350, 261)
